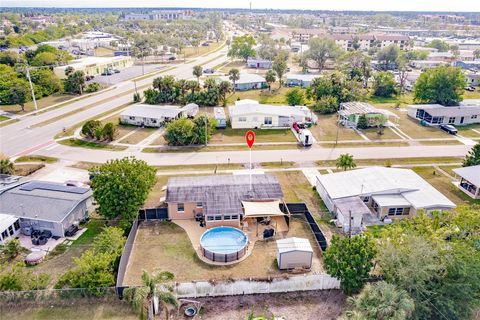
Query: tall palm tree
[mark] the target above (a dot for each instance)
(382, 301)
(234, 76)
(6, 166)
(142, 297)
(345, 161)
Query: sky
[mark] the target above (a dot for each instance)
(363, 5)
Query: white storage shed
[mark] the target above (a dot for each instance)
(294, 253)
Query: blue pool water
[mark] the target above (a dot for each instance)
(223, 240)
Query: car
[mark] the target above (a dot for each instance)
(88, 78)
(205, 44)
(172, 58)
(107, 73)
(449, 129)
(471, 89)
(209, 70)
(116, 70)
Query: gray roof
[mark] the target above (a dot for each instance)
(437, 110)
(351, 205)
(223, 194)
(40, 200)
(151, 111)
(302, 77)
(472, 174)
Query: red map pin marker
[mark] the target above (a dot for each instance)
(250, 138)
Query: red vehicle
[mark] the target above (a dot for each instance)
(297, 126)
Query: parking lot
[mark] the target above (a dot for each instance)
(128, 73)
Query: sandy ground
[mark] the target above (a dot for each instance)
(313, 305)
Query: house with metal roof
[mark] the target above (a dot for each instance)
(294, 253)
(247, 81)
(223, 200)
(46, 205)
(350, 113)
(259, 63)
(469, 180)
(300, 80)
(147, 115)
(468, 65)
(468, 112)
(252, 115)
(378, 193)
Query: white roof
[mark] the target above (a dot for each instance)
(245, 101)
(472, 174)
(293, 244)
(265, 109)
(389, 200)
(6, 220)
(351, 205)
(302, 76)
(244, 78)
(254, 209)
(466, 108)
(151, 111)
(85, 62)
(387, 181)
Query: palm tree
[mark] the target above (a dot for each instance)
(6, 166)
(234, 76)
(142, 297)
(197, 72)
(345, 161)
(381, 301)
(270, 77)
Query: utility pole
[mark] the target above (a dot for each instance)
(31, 87)
(349, 223)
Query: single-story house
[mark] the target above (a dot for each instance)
(469, 65)
(93, 66)
(247, 81)
(223, 200)
(470, 180)
(294, 253)
(300, 80)
(254, 115)
(9, 227)
(426, 64)
(259, 63)
(46, 205)
(473, 79)
(350, 113)
(436, 114)
(441, 56)
(378, 193)
(155, 116)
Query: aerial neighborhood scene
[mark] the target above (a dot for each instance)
(242, 160)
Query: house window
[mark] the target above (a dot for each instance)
(218, 218)
(16, 225)
(235, 217)
(473, 117)
(210, 218)
(154, 121)
(181, 207)
(398, 211)
(4, 234)
(366, 199)
(451, 120)
(227, 217)
(267, 120)
(242, 119)
(131, 118)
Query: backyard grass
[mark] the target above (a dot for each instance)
(27, 168)
(326, 129)
(470, 131)
(90, 145)
(264, 96)
(166, 246)
(41, 103)
(35, 158)
(230, 135)
(153, 199)
(138, 136)
(443, 184)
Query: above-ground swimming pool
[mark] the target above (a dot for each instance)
(224, 244)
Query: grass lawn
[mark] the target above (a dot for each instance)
(138, 136)
(440, 142)
(35, 158)
(27, 168)
(225, 67)
(166, 246)
(405, 161)
(444, 185)
(468, 131)
(79, 309)
(41, 103)
(373, 135)
(90, 145)
(326, 129)
(366, 144)
(279, 165)
(3, 118)
(192, 52)
(222, 148)
(212, 166)
(275, 96)
(230, 135)
(449, 169)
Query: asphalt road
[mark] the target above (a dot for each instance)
(26, 136)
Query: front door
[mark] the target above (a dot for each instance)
(462, 119)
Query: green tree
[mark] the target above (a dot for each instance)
(47, 81)
(443, 85)
(438, 44)
(356, 66)
(280, 67)
(242, 47)
(6, 166)
(92, 87)
(141, 298)
(270, 77)
(121, 186)
(380, 301)
(109, 131)
(110, 240)
(75, 82)
(345, 161)
(11, 248)
(388, 56)
(18, 278)
(384, 84)
(179, 132)
(326, 105)
(234, 76)
(19, 94)
(322, 49)
(89, 128)
(197, 72)
(44, 59)
(473, 156)
(350, 261)
(362, 122)
(295, 97)
(224, 88)
(203, 125)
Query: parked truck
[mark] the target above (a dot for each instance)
(306, 137)
(219, 114)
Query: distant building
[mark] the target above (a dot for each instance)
(259, 63)
(304, 35)
(300, 80)
(365, 42)
(468, 65)
(473, 79)
(95, 65)
(161, 15)
(427, 64)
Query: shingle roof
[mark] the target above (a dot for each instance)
(223, 194)
(34, 199)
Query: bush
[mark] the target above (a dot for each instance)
(109, 131)
(326, 104)
(295, 97)
(92, 87)
(11, 248)
(384, 84)
(362, 122)
(19, 279)
(136, 97)
(90, 127)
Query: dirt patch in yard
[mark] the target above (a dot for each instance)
(312, 305)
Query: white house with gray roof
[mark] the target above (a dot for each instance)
(46, 205)
(470, 180)
(468, 112)
(148, 115)
(372, 194)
